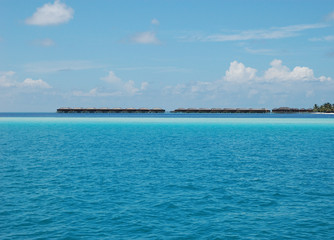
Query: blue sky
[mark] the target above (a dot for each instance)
(165, 53)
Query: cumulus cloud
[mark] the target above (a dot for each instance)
(112, 78)
(239, 73)
(145, 38)
(7, 80)
(121, 87)
(238, 76)
(279, 72)
(30, 83)
(51, 14)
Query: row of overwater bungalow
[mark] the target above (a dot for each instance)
(110, 110)
(292, 110)
(183, 110)
(220, 110)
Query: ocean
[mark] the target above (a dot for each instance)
(166, 176)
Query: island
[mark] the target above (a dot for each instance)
(324, 108)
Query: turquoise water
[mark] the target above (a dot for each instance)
(165, 177)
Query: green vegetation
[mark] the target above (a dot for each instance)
(326, 107)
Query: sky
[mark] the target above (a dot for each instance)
(165, 53)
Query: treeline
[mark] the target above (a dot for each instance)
(326, 107)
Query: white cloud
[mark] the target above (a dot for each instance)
(323, 39)
(271, 33)
(145, 38)
(155, 21)
(120, 87)
(112, 78)
(92, 93)
(301, 27)
(129, 88)
(30, 83)
(261, 51)
(143, 85)
(51, 14)
(176, 90)
(239, 73)
(7, 80)
(279, 72)
(238, 76)
(59, 66)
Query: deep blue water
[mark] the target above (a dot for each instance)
(166, 176)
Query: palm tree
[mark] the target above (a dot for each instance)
(326, 107)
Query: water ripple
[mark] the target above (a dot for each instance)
(155, 179)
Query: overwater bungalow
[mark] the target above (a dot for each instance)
(291, 110)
